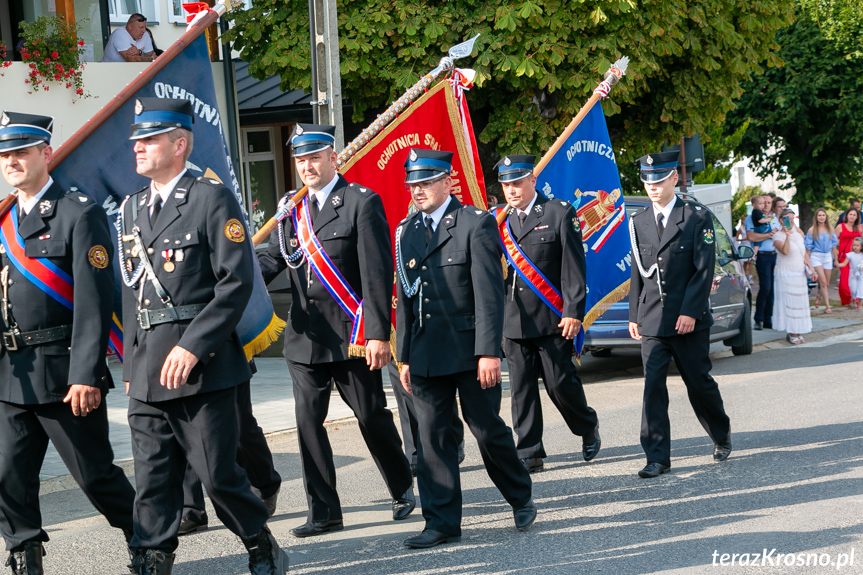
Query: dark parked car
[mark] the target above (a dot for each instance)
(730, 299)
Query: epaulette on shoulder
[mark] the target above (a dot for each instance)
(359, 188)
(474, 211)
(78, 197)
(210, 181)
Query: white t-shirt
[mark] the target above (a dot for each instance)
(120, 41)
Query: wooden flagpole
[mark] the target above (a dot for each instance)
(195, 29)
(610, 78)
(381, 122)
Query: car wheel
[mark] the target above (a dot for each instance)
(745, 347)
(602, 352)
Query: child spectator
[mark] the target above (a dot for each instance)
(854, 258)
(760, 219)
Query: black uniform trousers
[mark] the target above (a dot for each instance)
(438, 472)
(253, 455)
(200, 429)
(408, 416)
(549, 357)
(82, 443)
(363, 391)
(691, 355)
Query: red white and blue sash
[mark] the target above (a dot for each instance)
(528, 272)
(41, 272)
(330, 277)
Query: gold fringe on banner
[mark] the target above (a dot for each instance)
(265, 338)
(602, 306)
(355, 350)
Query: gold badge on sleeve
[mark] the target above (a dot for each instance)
(98, 257)
(235, 231)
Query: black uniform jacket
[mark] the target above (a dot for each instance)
(201, 218)
(458, 315)
(686, 259)
(71, 232)
(551, 239)
(352, 228)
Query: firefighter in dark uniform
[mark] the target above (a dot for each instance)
(449, 322)
(669, 310)
(537, 341)
(350, 226)
(187, 259)
(55, 256)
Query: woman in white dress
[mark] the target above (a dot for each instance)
(791, 294)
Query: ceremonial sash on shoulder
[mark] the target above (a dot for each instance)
(330, 277)
(41, 272)
(528, 272)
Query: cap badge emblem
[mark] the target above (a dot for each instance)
(413, 156)
(4, 119)
(649, 160)
(507, 161)
(299, 130)
(139, 107)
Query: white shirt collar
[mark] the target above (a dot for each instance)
(324, 193)
(31, 203)
(666, 211)
(164, 193)
(438, 213)
(529, 207)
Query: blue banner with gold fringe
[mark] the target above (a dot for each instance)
(103, 167)
(584, 173)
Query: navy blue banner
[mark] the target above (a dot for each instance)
(103, 167)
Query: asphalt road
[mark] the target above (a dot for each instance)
(793, 484)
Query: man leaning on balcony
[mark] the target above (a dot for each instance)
(130, 43)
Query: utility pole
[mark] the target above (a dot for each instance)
(326, 71)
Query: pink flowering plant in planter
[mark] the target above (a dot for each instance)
(51, 48)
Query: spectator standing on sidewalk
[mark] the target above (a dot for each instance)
(764, 265)
(854, 204)
(846, 232)
(821, 242)
(854, 261)
(791, 309)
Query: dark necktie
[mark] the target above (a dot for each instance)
(429, 230)
(660, 227)
(157, 209)
(313, 208)
(521, 217)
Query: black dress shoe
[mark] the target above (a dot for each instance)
(533, 464)
(721, 451)
(758, 326)
(188, 525)
(653, 470)
(272, 501)
(590, 445)
(768, 325)
(524, 516)
(404, 505)
(313, 528)
(430, 538)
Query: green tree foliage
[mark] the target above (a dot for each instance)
(689, 59)
(840, 21)
(806, 118)
(719, 153)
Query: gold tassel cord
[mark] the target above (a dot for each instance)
(265, 338)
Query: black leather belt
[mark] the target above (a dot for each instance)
(149, 318)
(12, 341)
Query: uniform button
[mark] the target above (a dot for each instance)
(311, 300)
(11, 282)
(660, 259)
(425, 284)
(44, 251)
(147, 302)
(520, 289)
(426, 300)
(428, 315)
(212, 355)
(166, 240)
(424, 268)
(176, 241)
(663, 282)
(151, 251)
(449, 259)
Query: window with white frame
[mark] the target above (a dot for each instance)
(120, 10)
